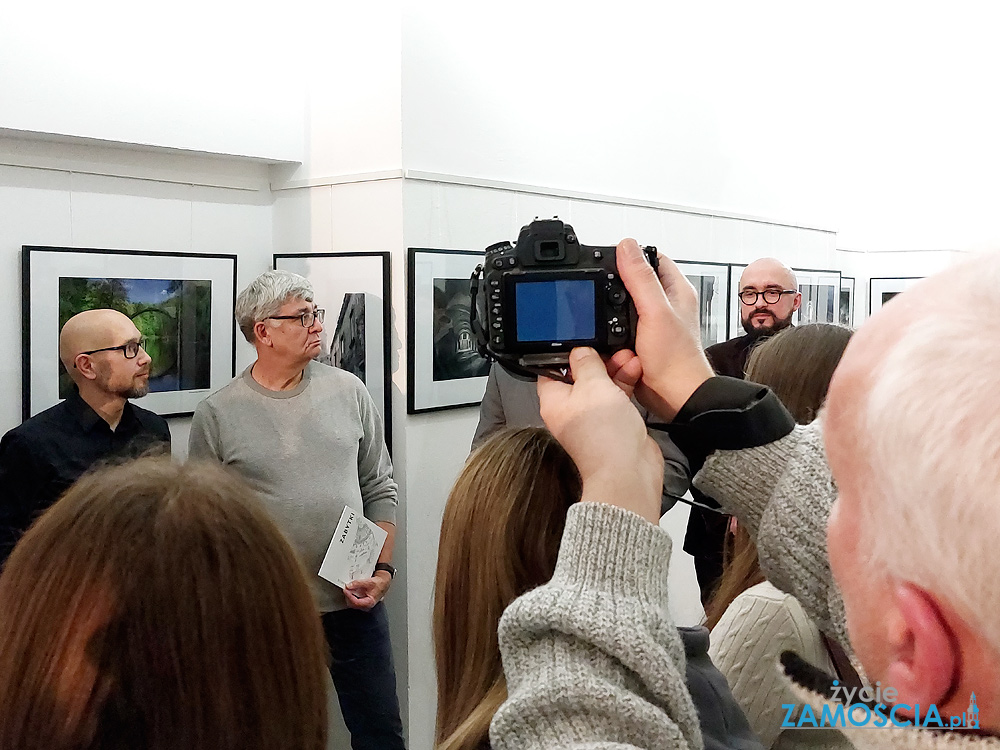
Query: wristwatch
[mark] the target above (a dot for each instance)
(387, 568)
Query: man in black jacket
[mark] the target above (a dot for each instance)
(102, 352)
(768, 298)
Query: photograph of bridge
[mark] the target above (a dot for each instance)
(173, 315)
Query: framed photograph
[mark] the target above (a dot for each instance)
(735, 325)
(444, 369)
(846, 317)
(181, 302)
(820, 292)
(711, 280)
(354, 289)
(881, 291)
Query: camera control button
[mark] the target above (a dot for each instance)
(598, 255)
(618, 329)
(498, 262)
(494, 282)
(497, 325)
(512, 261)
(617, 296)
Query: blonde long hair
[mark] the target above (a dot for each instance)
(499, 538)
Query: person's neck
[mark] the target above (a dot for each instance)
(277, 376)
(108, 406)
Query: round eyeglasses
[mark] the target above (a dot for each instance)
(771, 296)
(306, 318)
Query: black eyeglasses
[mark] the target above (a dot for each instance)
(130, 350)
(771, 296)
(306, 318)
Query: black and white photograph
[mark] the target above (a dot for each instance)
(711, 281)
(455, 353)
(353, 288)
(846, 317)
(182, 304)
(445, 369)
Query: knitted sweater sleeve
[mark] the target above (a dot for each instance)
(783, 492)
(592, 658)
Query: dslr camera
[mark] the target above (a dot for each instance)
(534, 301)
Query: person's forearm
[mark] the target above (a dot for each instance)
(591, 656)
(783, 493)
(390, 541)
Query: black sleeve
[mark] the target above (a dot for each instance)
(728, 414)
(18, 492)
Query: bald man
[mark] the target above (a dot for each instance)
(768, 298)
(102, 352)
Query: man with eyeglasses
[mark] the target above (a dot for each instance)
(768, 298)
(309, 439)
(103, 355)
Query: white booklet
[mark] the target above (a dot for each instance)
(354, 549)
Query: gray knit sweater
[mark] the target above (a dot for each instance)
(592, 659)
(308, 452)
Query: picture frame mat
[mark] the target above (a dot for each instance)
(879, 285)
(423, 392)
(42, 267)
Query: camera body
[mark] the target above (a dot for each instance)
(548, 293)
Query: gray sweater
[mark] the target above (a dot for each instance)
(592, 659)
(309, 452)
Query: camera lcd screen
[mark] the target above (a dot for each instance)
(561, 310)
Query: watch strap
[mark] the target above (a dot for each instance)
(387, 568)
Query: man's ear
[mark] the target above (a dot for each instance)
(797, 301)
(925, 657)
(85, 366)
(262, 332)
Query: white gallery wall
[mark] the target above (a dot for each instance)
(857, 137)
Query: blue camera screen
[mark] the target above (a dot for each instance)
(555, 310)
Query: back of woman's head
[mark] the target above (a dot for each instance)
(797, 365)
(157, 606)
(499, 538)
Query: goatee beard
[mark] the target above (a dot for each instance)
(137, 391)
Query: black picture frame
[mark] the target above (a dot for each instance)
(44, 269)
(338, 279)
(430, 386)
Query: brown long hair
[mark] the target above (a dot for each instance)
(499, 538)
(156, 605)
(797, 365)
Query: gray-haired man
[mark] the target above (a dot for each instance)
(309, 439)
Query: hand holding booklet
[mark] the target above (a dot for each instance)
(354, 549)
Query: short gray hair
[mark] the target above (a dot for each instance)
(931, 438)
(265, 297)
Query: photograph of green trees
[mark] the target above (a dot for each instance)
(173, 315)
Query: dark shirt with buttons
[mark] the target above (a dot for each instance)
(42, 457)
